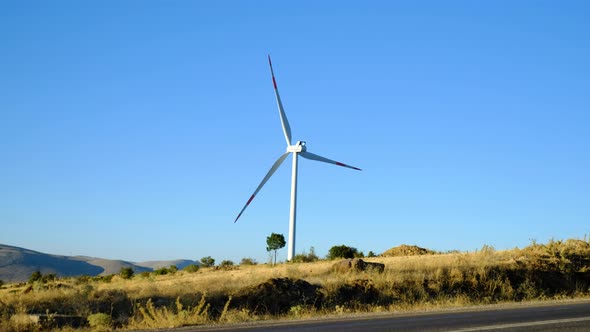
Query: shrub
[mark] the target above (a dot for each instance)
(172, 269)
(342, 251)
(248, 261)
(306, 257)
(191, 268)
(1, 283)
(126, 273)
(371, 254)
(100, 322)
(35, 276)
(226, 263)
(81, 280)
(161, 271)
(207, 261)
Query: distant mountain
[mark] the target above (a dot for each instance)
(17, 264)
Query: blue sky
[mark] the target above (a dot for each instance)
(138, 129)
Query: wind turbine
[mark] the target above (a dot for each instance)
(297, 149)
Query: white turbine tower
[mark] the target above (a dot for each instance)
(297, 149)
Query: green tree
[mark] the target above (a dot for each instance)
(342, 251)
(371, 254)
(275, 242)
(207, 261)
(1, 283)
(126, 272)
(226, 263)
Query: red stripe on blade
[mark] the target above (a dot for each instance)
(341, 164)
(274, 82)
(250, 200)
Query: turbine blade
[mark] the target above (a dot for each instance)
(309, 155)
(284, 121)
(268, 175)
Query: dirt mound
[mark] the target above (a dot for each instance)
(278, 295)
(406, 250)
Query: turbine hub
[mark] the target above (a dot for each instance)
(297, 147)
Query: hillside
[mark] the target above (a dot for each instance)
(17, 264)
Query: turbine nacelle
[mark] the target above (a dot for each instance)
(297, 147)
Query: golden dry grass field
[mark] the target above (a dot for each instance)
(558, 269)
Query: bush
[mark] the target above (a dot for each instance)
(371, 254)
(1, 283)
(35, 276)
(342, 251)
(48, 277)
(81, 280)
(161, 271)
(207, 261)
(191, 268)
(248, 261)
(305, 257)
(126, 273)
(172, 269)
(100, 322)
(226, 263)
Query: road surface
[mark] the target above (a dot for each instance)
(564, 317)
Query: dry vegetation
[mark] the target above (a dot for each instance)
(254, 292)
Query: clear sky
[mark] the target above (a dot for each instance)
(137, 130)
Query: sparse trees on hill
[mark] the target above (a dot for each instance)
(275, 242)
(207, 261)
(342, 251)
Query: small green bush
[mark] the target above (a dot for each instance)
(306, 257)
(100, 322)
(126, 272)
(248, 261)
(35, 276)
(191, 268)
(172, 269)
(81, 280)
(371, 254)
(161, 271)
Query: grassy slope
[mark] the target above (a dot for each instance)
(555, 270)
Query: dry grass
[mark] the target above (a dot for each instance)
(553, 270)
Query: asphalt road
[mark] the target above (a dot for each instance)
(567, 317)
